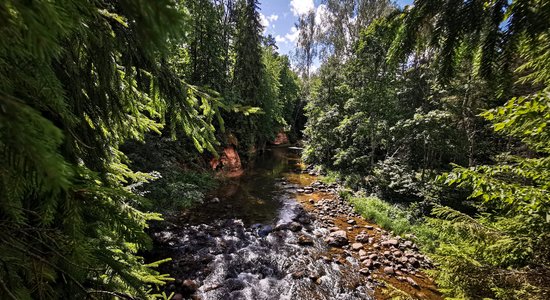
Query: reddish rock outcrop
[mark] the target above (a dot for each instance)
(229, 162)
(281, 139)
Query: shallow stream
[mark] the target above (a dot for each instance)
(258, 237)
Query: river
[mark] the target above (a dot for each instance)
(275, 233)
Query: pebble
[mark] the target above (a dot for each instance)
(305, 240)
(364, 271)
(356, 246)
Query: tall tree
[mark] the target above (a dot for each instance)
(306, 49)
(341, 22)
(206, 45)
(248, 53)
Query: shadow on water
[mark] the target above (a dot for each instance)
(253, 197)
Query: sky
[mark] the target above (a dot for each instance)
(279, 17)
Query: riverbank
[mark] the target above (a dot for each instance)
(392, 262)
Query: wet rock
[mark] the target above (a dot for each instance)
(369, 227)
(294, 226)
(356, 246)
(351, 222)
(305, 240)
(389, 270)
(338, 238)
(189, 286)
(304, 219)
(281, 227)
(314, 277)
(234, 284)
(265, 230)
(211, 287)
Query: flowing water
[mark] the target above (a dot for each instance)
(254, 240)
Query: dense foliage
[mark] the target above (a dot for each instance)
(78, 81)
(423, 91)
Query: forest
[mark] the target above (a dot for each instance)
(171, 149)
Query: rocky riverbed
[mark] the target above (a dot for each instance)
(316, 247)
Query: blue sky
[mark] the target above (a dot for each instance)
(279, 17)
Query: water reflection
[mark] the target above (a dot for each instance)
(253, 197)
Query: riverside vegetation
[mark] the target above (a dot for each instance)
(433, 119)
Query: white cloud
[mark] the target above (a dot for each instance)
(292, 36)
(263, 20)
(266, 21)
(300, 7)
(280, 39)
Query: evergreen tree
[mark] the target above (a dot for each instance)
(248, 54)
(248, 70)
(77, 79)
